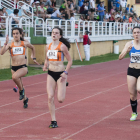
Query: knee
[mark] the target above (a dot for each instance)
(50, 99)
(14, 77)
(61, 100)
(133, 97)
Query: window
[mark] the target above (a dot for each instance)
(137, 1)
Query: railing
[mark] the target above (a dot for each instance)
(24, 23)
(27, 10)
(4, 26)
(8, 4)
(72, 29)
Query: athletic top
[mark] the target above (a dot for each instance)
(134, 54)
(17, 50)
(55, 55)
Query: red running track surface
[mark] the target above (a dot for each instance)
(96, 107)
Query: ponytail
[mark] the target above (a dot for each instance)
(65, 41)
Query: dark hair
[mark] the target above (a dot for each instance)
(61, 9)
(20, 31)
(136, 27)
(0, 9)
(15, 11)
(87, 32)
(62, 39)
(3, 8)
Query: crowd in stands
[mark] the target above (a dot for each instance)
(89, 10)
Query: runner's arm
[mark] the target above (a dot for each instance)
(126, 49)
(46, 63)
(68, 57)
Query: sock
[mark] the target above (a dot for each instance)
(54, 122)
(134, 105)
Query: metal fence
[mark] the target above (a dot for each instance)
(72, 29)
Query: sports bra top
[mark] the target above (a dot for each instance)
(17, 50)
(56, 54)
(134, 54)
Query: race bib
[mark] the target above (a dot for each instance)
(52, 54)
(17, 50)
(135, 57)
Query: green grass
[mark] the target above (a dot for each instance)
(98, 59)
(5, 74)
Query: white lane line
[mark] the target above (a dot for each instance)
(96, 122)
(20, 101)
(63, 106)
(67, 87)
(25, 86)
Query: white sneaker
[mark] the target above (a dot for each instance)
(134, 116)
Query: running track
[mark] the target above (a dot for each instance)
(96, 107)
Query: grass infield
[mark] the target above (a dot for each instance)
(5, 74)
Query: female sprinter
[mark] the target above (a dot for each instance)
(57, 74)
(19, 68)
(133, 73)
(22, 36)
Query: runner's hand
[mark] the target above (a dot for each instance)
(63, 76)
(45, 69)
(36, 62)
(129, 48)
(7, 39)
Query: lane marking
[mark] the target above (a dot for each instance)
(97, 122)
(62, 107)
(67, 87)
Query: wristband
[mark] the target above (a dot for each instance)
(5, 44)
(66, 72)
(34, 58)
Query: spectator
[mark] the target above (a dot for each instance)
(50, 8)
(101, 12)
(72, 17)
(130, 19)
(107, 16)
(92, 4)
(83, 9)
(127, 9)
(70, 5)
(117, 5)
(57, 14)
(80, 3)
(131, 10)
(4, 11)
(110, 5)
(14, 15)
(42, 11)
(123, 3)
(2, 26)
(112, 10)
(53, 3)
(86, 45)
(114, 3)
(26, 9)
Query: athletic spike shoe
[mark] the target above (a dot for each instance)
(25, 102)
(53, 124)
(67, 84)
(15, 88)
(21, 94)
(134, 116)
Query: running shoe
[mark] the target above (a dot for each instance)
(15, 88)
(25, 102)
(67, 84)
(53, 124)
(134, 116)
(21, 94)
